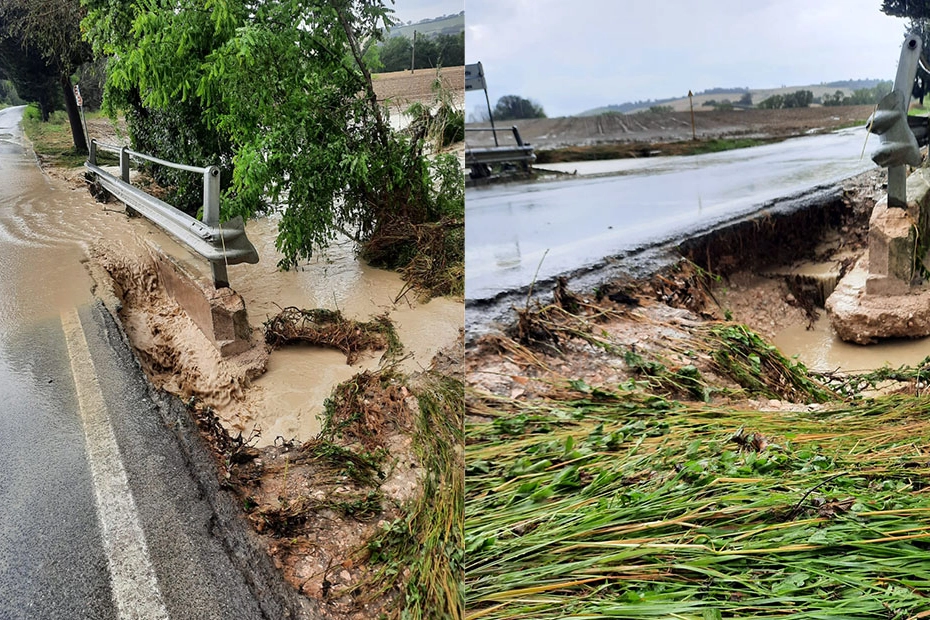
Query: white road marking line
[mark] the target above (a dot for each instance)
(132, 577)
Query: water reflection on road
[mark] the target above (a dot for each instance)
(576, 222)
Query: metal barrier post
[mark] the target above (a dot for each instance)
(211, 217)
(92, 156)
(898, 144)
(124, 164)
(220, 245)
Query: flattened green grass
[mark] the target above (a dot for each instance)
(621, 502)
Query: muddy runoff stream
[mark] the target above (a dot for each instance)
(268, 396)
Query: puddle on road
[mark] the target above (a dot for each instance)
(820, 349)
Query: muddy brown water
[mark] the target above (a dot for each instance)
(288, 398)
(46, 228)
(820, 349)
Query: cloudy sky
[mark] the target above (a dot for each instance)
(573, 56)
(415, 10)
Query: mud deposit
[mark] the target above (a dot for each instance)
(318, 493)
(765, 273)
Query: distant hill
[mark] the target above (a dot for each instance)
(447, 24)
(634, 106)
(681, 104)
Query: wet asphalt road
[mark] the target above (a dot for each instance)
(565, 225)
(67, 537)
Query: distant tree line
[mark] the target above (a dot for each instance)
(862, 96)
(797, 99)
(725, 104)
(8, 94)
(441, 50)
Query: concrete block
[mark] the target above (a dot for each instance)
(219, 313)
(893, 241)
(866, 318)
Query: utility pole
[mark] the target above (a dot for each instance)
(691, 101)
(413, 51)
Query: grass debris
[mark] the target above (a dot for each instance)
(422, 552)
(625, 504)
(669, 494)
(362, 408)
(328, 328)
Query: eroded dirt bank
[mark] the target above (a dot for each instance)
(325, 448)
(623, 438)
(751, 273)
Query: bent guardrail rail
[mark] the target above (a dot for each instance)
(480, 159)
(220, 244)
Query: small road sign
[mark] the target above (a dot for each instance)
(474, 77)
(77, 96)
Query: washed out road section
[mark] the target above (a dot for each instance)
(53, 558)
(563, 226)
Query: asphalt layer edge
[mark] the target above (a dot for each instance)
(245, 549)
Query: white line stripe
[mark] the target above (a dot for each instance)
(132, 577)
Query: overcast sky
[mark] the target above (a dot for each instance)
(415, 10)
(577, 55)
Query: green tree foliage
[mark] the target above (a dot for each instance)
(915, 9)
(797, 99)
(862, 96)
(278, 93)
(8, 93)
(51, 29)
(25, 67)
(510, 107)
(441, 50)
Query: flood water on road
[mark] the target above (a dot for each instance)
(44, 227)
(569, 224)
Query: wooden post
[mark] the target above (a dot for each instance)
(413, 52)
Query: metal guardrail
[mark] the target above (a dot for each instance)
(220, 244)
(479, 160)
(513, 128)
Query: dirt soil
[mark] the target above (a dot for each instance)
(653, 131)
(658, 319)
(401, 88)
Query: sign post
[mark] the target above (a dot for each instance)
(474, 80)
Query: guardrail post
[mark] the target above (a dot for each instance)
(211, 217)
(124, 164)
(92, 156)
(898, 144)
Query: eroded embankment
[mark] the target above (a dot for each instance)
(343, 511)
(638, 448)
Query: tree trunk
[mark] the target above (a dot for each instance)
(369, 87)
(74, 116)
